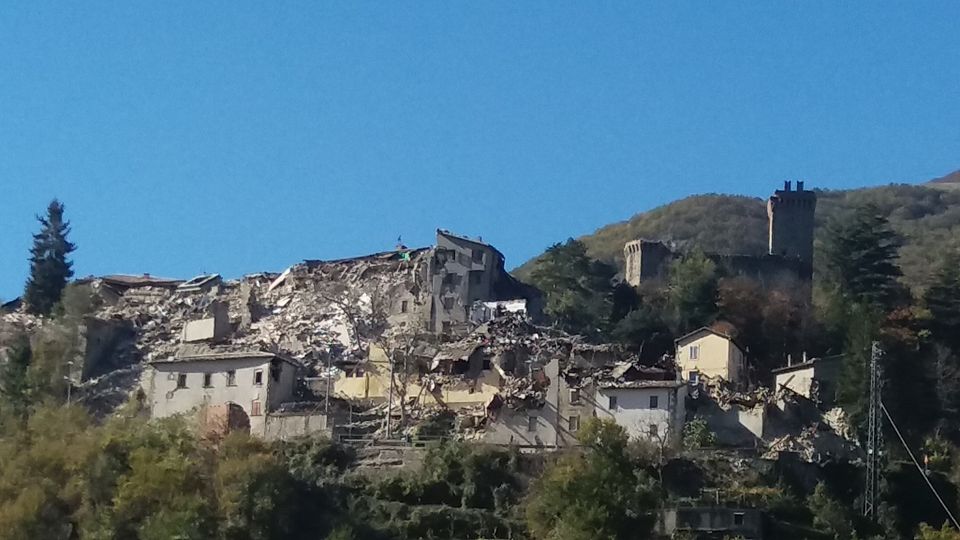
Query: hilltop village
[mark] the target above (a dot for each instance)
(389, 351)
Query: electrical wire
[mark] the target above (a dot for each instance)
(919, 468)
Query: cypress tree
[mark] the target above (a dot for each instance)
(49, 267)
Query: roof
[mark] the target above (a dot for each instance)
(625, 385)
(202, 354)
(382, 255)
(200, 281)
(709, 330)
(144, 280)
(479, 242)
(804, 365)
(457, 351)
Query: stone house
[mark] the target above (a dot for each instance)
(258, 382)
(464, 271)
(647, 409)
(711, 353)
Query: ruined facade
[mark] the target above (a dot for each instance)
(788, 262)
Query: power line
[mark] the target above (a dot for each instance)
(919, 468)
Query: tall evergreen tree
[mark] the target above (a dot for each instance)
(861, 252)
(49, 267)
(943, 301)
(578, 289)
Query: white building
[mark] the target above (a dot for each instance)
(256, 381)
(652, 410)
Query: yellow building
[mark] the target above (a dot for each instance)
(371, 381)
(710, 353)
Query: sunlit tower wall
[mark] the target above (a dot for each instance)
(790, 216)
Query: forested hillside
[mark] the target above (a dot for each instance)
(927, 217)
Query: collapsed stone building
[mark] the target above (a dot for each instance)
(787, 263)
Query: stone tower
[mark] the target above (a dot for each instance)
(645, 260)
(790, 216)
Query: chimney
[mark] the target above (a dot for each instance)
(786, 185)
(799, 185)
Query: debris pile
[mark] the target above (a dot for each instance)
(817, 443)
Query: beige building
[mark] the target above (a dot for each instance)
(258, 382)
(459, 378)
(712, 354)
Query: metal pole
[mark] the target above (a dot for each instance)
(390, 399)
(874, 434)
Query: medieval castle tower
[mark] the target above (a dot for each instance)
(790, 245)
(790, 218)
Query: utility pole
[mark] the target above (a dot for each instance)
(390, 399)
(874, 434)
(69, 379)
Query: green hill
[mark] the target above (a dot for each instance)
(927, 216)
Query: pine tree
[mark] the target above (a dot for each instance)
(49, 267)
(943, 301)
(861, 252)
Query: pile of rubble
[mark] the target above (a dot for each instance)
(817, 443)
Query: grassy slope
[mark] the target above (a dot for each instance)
(927, 216)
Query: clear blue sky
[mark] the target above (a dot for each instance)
(235, 137)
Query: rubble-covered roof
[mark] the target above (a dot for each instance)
(457, 351)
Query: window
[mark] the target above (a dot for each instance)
(258, 377)
(255, 408)
(232, 377)
(612, 405)
(574, 396)
(532, 424)
(478, 256)
(694, 377)
(654, 402)
(738, 518)
(181, 380)
(403, 306)
(573, 423)
(694, 352)
(207, 380)
(654, 431)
